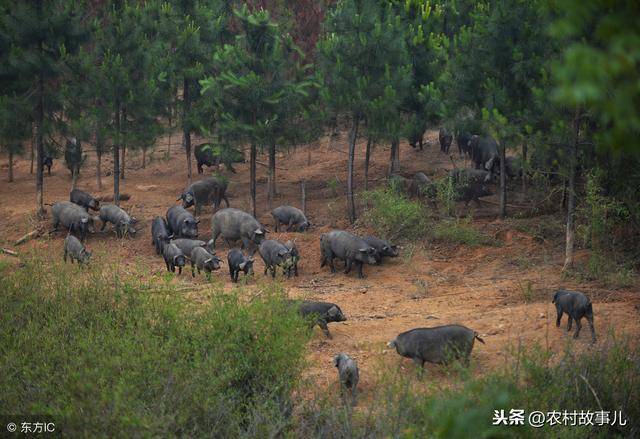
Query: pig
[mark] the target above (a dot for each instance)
(207, 154)
(187, 245)
(484, 153)
(292, 217)
(348, 247)
(234, 224)
(72, 217)
(445, 138)
(577, 306)
(291, 265)
(348, 374)
(201, 259)
(173, 257)
(470, 184)
(382, 247)
(237, 263)
(47, 161)
(206, 192)
(74, 249)
(513, 167)
(439, 344)
(122, 222)
(160, 234)
(73, 156)
(420, 185)
(273, 253)
(84, 199)
(181, 223)
(323, 312)
(463, 140)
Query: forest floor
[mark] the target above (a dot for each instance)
(502, 291)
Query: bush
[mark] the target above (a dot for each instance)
(393, 215)
(458, 231)
(102, 357)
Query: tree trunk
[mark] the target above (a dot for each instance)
(170, 130)
(144, 158)
(99, 149)
(186, 129)
(351, 205)
(32, 155)
(116, 158)
(394, 159)
(367, 158)
(304, 196)
(252, 177)
(40, 145)
(123, 121)
(524, 167)
(10, 166)
(272, 175)
(571, 193)
(74, 177)
(503, 181)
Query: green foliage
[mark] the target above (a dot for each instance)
(394, 216)
(459, 231)
(103, 356)
(446, 194)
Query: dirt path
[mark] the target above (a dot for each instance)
(484, 288)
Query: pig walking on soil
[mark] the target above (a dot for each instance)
(292, 217)
(181, 223)
(122, 222)
(323, 312)
(347, 374)
(73, 217)
(291, 265)
(274, 254)
(84, 199)
(202, 260)
(348, 247)
(237, 263)
(439, 344)
(235, 224)
(173, 257)
(74, 249)
(382, 247)
(576, 305)
(160, 234)
(207, 192)
(187, 245)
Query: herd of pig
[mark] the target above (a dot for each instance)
(175, 238)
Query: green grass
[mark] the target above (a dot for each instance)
(393, 215)
(459, 231)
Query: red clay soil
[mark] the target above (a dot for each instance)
(428, 285)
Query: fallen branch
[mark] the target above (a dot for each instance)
(8, 252)
(28, 236)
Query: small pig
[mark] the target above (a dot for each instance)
(47, 161)
(577, 306)
(187, 245)
(347, 374)
(291, 265)
(348, 247)
(383, 248)
(292, 217)
(73, 217)
(173, 257)
(445, 138)
(439, 344)
(122, 222)
(74, 249)
(84, 199)
(201, 259)
(324, 312)
(274, 254)
(160, 234)
(181, 223)
(237, 263)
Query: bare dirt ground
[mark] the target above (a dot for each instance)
(428, 285)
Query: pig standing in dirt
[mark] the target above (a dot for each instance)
(84, 199)
(323, 312)
(291, 265)
(181, 223)
(440, 344)
(274, 254)
(292, 217)
(237, 263)
(74, 249)
(207, 192)
(348, 247)
(234, 224)
(173, 257)
(577, 306)
(73, 217)
(122, 222)
(187, 245)
(160, 234)
(382, 247)
(202, 260)
(445, 138)
(348, 374)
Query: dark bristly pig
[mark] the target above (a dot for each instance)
(292, 217)
(160, 234)
(321, 313)
(348, 374)
(484, 153)
(122, 222)
(234, 224)
(576, 305)
(291, 265)
(84, 199)
(73, 217)
(470, 184)
(445, 138)
(348, 247)
(274, 254)
(74, 249)
(239, 262)
(187, 245)
(463, 140)
(173, 257)
(206, 192)
(181, 223)
(202, 260)
(440, 344)
(383, 248)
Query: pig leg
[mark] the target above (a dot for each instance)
(325, 328)
(347, 266)
(578, 327)
(64, 256)
(570, 323)
(193, 269)
(559, 310)
(179, 269)
(593, 330)
(197, 208)
(360, 273)
(273, 271)
(168, 265)
(104, 224)
(277, 225)
(290, 225)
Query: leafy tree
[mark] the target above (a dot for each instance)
(15, 127)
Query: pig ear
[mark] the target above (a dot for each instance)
(363, 250)
(259, 232)
(197, 221)
(180, 197)
(282, 253)
(208, 260)
(333, 311)
(242, 265)
(336, 360)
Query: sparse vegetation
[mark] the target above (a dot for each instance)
(394, 216)
(459, 231)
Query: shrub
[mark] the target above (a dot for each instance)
(108, 358)
(458, 231)
(393, 215)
